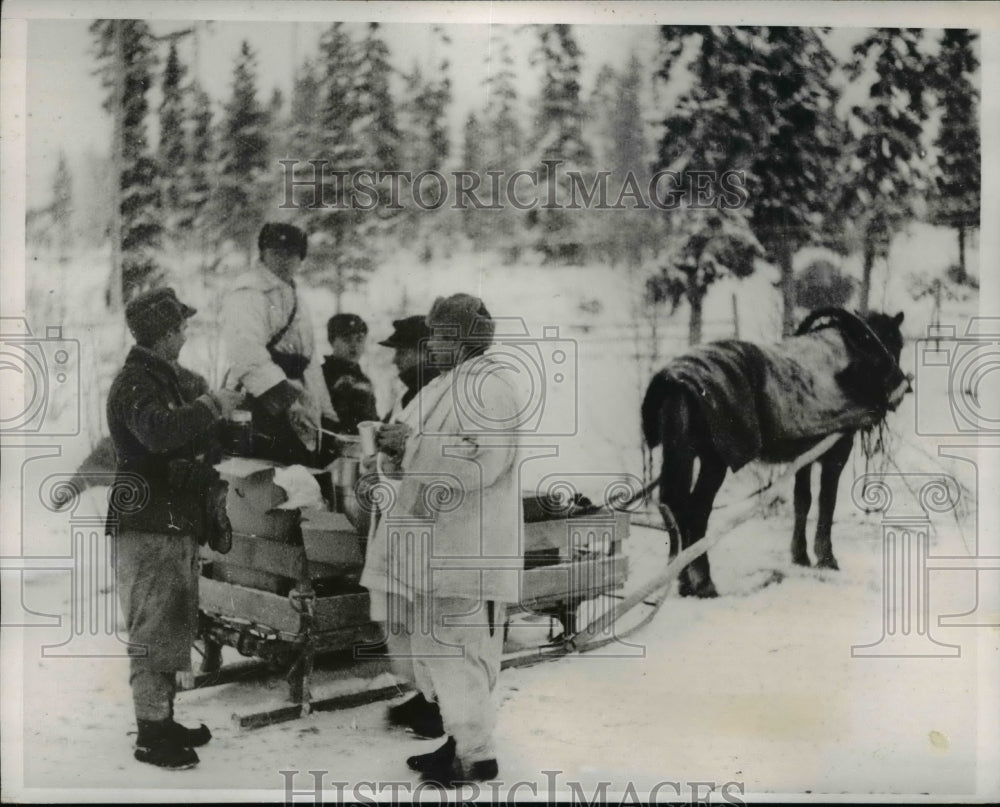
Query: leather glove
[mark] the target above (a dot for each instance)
(220, 530)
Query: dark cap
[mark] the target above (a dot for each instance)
(155, 313)
(407, 332)
(345, 325)
(286, 237)
(464, 316)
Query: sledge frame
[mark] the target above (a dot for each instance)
(568, 560)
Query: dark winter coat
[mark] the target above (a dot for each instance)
(158, 412)
(351, 393)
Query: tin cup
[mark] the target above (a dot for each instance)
(367, 429)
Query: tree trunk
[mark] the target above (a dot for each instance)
(961, 256)
(695, 297)
(115, 291)
(866, 273)
(787, 289)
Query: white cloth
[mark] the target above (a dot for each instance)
(456, 643)
(257, 307)
(418, 547)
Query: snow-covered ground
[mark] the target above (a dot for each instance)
(758, 687)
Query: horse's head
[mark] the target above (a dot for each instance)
(874, 342)
(886, 328)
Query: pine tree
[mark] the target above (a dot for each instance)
(242, 191)
(126, 57)
(886, 170)
(957, 197)
(558, 137)
(172, 153)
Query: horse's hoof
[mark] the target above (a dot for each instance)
(827, 563)
(707, 592)
(801, 561)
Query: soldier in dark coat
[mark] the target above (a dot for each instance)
(163, 421)
(350, 389)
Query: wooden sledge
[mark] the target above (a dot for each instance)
(288, 590)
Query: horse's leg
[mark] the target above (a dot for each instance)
(803, 500)
(710, 478)
(678, 466)
(832, 463)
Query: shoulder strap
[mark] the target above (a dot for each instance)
(295, 307)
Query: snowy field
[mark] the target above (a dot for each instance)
(757, 688)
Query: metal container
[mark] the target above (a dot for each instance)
(237, 434)
(345, 472)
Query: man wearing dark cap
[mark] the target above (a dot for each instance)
(163, 420)
(268, 337)
(350, 390)
(408, 340)
(452, 459)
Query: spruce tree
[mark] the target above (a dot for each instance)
(304, 120)
(172, 152)
(714, 126)
(378, 133)
(503, 149)
(126, 60)
(62, 208)
(956, 201)
(376, 106)
(886, 170)
(790, 178)
(340, 253)
(558, 138)
(200, 154)
(242, 191)
(472, 161)
(623, 151)
(427, 147)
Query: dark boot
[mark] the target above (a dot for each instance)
(455, 773)
(439, 758)
(419, 715)
(157, 745)
(191, 738)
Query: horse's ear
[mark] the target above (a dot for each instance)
(898, 319)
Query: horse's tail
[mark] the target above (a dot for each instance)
(652, 405)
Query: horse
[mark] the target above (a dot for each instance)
(730, 402)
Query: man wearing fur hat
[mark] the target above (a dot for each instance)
(162, 420)
(268, 336)
(452, 459)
